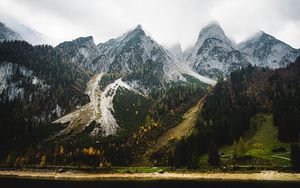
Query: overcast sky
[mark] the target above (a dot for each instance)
(167, 21)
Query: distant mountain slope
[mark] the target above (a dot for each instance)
(124, 94)
(8, 34)
(19, 31)
(130, 54)
(133, 64)
(30, 35)
(36, 87)
(214, 55)
(133, 50)
(81, 51)
(230, 110)
(176, 51)
(267, 51)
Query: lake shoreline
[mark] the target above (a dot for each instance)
(209, 176)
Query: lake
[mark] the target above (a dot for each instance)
(52, 183)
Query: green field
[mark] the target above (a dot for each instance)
(259, 142)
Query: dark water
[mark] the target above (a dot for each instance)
(42, 183)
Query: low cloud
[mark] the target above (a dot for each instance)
(168, 21)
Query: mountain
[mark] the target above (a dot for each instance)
(267, 51)
(176, 51)
(36, 87)
(8, 34)
(81, 52)
(17, 31)
(80, 102)
(128, 54)
(133, 66)
(214, 55)
(130, 65)
(132, 50)
(32, 36)
(252, 101)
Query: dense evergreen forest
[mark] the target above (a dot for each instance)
(27, 122)
(51, 87)
(150, 122)
(225, 116)
(229, 107)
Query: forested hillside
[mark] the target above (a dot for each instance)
(37, 88)
(229, 108)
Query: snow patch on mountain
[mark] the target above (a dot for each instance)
(138, 87)
(267, 51)
(133, 49)
(6, 73)
(15, 88)
(212, 30)
(81, 51)
(214, 55)
(185, 69)
(57, 110)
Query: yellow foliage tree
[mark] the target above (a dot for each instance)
(91, 151)
(43, 161)
(61, 150)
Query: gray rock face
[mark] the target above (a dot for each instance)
(81, 51)
(122, 55)
(267, 51)
(177, 52)
(214, 55)
(12, 88)
(132, 50)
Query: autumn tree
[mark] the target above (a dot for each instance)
(43, 161)
(11, 158)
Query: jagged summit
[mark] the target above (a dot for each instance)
(214, 55)
(260, 35)
(136, 32)
(213, 26)
(81, 41)
(212, 30)
(84, 39)
(268, 51)
(139, 26)
(80, 51)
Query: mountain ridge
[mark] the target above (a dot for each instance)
(214, 55)
(268, 51)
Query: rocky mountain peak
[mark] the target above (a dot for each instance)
(8, 34)
(268, 51)
(212, 30)
(81, 41)
(137, 32)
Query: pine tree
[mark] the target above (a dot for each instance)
(235, 150)
(213, 154)
(295, 157)
(11, 158)
(241, 148)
